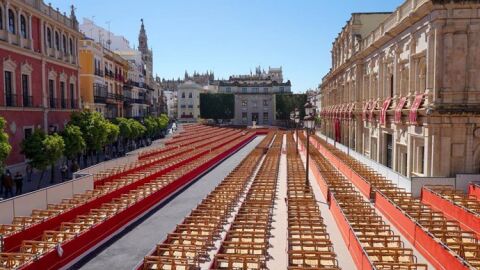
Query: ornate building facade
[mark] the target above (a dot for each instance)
(255, 95)
(39, 78)
(404, 88)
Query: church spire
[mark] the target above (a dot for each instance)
(142, 39)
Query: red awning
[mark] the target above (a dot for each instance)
(383, 113)
(398, 109)
(413, 110)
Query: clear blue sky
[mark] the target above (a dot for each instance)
(232, 36)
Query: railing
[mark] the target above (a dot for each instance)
(27, 101)
(53, 103)
(99, 73)
(11, 100)
(63, 103)
(391, 21)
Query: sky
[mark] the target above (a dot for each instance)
(232, 37)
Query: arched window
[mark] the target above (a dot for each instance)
(1, 18)
(64, 44)
(49, 38)
(11, 21)
(57, 41)
(23, 26)
(71, 49)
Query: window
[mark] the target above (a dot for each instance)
(255, 90)
(265, 102)
(72, 96)
(391, 85)
(244, 116)
(420, 159)
(23, 26)
(57, 41)
(27, 99)
(9, 98)
(62, 95)
(1, 18)
(11, 21)
(265, 89)
(244, 103)
(254, 103)
(228, 90)
(244, 90)
(64, 43)
(51, 92)
(265, 117)
(49, 38)
(190, 106)
(183, 94)
(71, 50)
(27, 132)
(282, 89)
(190, 95)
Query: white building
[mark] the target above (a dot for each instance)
(188, 95)
(171, 102)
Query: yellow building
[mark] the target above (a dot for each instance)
(102, 75)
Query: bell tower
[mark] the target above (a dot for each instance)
(147, 55)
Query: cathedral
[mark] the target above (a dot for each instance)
(147, 54)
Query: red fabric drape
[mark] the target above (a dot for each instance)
(383, 113)
(398, 109)
(413, 110)
(337, 130)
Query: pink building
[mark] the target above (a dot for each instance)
(39, 62)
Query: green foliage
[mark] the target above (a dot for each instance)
(113, 131)
(217, 106)
(32, 148)
(74, 142)
(53, 147)
(94, 127)
(43, 150)
(154, 125)
(124, 127)
(137, 129)
(286, 103)
(5, 147)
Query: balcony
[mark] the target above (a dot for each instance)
(99, 93)
(53, 103)
(99, 73)
(27, 101)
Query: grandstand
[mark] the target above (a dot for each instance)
(262, 214)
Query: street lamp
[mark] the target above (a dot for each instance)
(297, 121)
(309, 123)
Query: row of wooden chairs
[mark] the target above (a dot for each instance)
(309, 245)
(163, 155)
(448, 232)
(457, 197)
(37, 216)
(82, 223)
(383, 247)
(247, 241)
(188, 246)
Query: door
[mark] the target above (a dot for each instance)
(389, 150)
(255, 117)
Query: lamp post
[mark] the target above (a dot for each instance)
(297, 121)
(309, 122)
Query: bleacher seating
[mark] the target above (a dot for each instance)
(69, 230)
(384, 248)
(309, 245)
(448, 233)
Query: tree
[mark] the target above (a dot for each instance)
(152, 126)
(53, 146)
(5, 147)
(42, 151)
(94, 127)
(74, 142)
(286, 103)
(217, 106)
